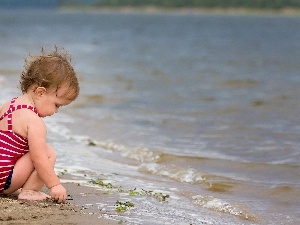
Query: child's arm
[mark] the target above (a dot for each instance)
(37, 148)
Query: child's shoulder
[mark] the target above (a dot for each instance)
(26, 107)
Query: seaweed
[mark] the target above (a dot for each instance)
(123, 206)
(91, 142)
(101, 183)
(159, 196)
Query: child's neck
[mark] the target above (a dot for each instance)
(29, 98)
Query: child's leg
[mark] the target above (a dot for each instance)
(22, 170)
(25, 177)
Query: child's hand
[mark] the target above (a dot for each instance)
(58, 193)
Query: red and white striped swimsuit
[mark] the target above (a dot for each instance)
(12, 145)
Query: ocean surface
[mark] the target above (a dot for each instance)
(203, 108)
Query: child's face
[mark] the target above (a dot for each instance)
(50, 102)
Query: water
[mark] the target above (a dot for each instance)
(201, 107)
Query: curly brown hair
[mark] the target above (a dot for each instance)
(50, 70)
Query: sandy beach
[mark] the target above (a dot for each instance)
(80, 208)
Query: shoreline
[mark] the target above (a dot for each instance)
(183, 10)
(80, 208)
(86, 204)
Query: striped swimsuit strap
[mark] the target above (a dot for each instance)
(13, 108)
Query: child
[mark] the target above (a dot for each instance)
(26, 160)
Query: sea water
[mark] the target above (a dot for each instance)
(201, 107)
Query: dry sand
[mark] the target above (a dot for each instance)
(80, 208)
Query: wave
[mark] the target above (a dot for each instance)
(187, 175)
(216, 171)
(219, 205)
(211, 176)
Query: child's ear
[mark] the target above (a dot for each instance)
(40, 91)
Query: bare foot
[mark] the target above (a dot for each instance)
(17, 192)
(32, 195)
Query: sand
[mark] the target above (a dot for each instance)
(80, 208)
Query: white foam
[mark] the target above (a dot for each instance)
(187, 175)
(219, 205)
(54, 124)
(139, 154)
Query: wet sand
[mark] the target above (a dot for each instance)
(80, 208)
